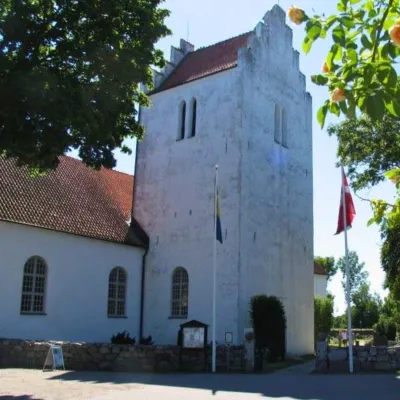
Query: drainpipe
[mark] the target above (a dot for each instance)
(142, 294)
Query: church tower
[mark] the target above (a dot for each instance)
(241, 104)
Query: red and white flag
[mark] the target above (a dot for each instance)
(345, 221)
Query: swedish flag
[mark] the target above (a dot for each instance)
(218, 228)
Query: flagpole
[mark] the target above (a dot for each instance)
(346, 248)
(214, 320)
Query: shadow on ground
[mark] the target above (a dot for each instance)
(294, 386)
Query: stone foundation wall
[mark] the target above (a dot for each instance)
(124, 358)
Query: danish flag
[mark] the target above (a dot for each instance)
(345, 221)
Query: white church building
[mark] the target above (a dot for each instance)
(89, 253)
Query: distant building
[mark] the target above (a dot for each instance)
(320, 280)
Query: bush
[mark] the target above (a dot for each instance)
(146, 341)
(323, 315)
(122, 338)
(267, 315)
(386, 327)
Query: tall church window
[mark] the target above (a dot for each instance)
(34, 286)
(284, 129)
(277, 125)
(180, 293)
(182, 120)
(116, 292)
(194, 118)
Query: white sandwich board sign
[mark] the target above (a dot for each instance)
(55, 358)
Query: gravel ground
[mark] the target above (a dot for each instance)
(20, 384)
(26, 384)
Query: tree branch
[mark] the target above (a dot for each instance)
(378, 33)
(370, 201)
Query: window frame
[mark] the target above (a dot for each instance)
(116, 298)
(179, 311)
(33, 292)
(284, 135)
(182, 121)
(193, 118)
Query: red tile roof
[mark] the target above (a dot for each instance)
(206, 61)
(73, 199)
(319, 270)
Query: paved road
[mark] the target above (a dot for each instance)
(36, 385)
(273, 386)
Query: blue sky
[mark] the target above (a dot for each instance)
(208, 21)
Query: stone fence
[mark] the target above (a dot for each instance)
(124, 358)
(365, 358)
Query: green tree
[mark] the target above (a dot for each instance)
(390, 259)
(69, 76)
(323, 315)
(329, 265)
(357, 273)
(366, 307)
(358, 70)
(368, 148)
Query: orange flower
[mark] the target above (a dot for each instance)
(296, 15)
(394, 33)
(325, 68)
(338, 95)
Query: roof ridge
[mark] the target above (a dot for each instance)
(107, 169)
(221, 42)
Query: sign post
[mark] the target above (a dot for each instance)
(55, 358)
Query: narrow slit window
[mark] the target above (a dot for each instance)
(182, 121)
(277, 125)
(284, 129)
(194, 117)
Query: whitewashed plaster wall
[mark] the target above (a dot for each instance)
(320, 285)
(266, 193)
(277, 182)
(76, 287)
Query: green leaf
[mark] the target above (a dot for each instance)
(347, 22)
(352, 56)
(306, 45)
(339, 36)
(320, 80)
(321, 114)
(393, 107)
(343, 107)
(354, 1)
(387, 75)
(368, 74)
(313, 29)
(369, 5)
(331, 56)
(334, 109)
(393, 174)
(366, 42)
(342, 5)
(330, 21)
(393, 50)
(371, 221)
(375, 107)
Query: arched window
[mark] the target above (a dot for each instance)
(194, 117)
(284, 129)
(34, 286)
(180, 292)
(116, 292)
(182, 121)
(277, 125)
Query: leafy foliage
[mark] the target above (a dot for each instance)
(69, 75)
(368, 148)
(323, 315)
(357, 273)
(329, 265)
(267, 314)
(366, 307)
(146, 341)
(390, 259)
(386, 327)
(122, 338)
(359, 64)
